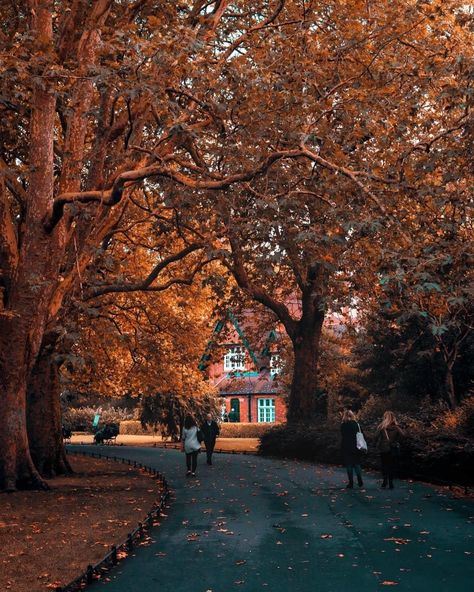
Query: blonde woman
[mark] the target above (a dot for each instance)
(350, 453)
(387, 440)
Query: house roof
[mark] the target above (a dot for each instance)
(259, 359)
(249, 385)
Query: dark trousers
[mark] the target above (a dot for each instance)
(350, 473)
(388, 467)
(192, 460)
(209, 444)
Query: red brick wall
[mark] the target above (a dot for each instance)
(280, 406)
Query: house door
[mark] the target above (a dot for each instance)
(234, 414)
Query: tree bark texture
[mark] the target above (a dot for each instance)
(44, 413)
(304, 403)
(450, 388)
(23, 321)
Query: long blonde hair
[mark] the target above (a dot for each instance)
(348, 415)
(387, 420)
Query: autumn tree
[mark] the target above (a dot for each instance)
(370, 99)
(88, 110)
(309, 118)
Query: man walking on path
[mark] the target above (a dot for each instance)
(210, 431)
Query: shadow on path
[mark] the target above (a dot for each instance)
(249, 523)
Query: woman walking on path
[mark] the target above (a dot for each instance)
(190, 445)
(350, 452)
(387, 440)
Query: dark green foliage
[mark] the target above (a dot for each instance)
(405, 360)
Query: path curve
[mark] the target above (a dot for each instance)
(249, 523)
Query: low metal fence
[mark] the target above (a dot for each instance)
(96, 571)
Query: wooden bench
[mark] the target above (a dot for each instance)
(107, 435)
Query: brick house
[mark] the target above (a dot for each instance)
(243, 368)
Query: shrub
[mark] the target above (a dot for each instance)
(458, 421)
(426, 454)
(466, 419)
(320, 443)
(134, 427)
(244, 430)
(81, 419)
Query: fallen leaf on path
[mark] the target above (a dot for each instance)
(398, 541)
(389, 583)
(240, 562)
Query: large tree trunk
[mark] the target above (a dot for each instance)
(26, 311)
(16, 465)
(44, 413)
(305, 402)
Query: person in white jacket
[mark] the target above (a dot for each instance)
(190, 445)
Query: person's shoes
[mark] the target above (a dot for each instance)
(188, 473)
(209, 462)
(384, 485)
(390, 486)
(350, 486)
(360, 483)
(193, 474)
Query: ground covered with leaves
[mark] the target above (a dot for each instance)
(48, 538)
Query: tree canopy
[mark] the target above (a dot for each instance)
(304, 145)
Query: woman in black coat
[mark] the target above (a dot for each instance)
(350, 453)
(387, 440)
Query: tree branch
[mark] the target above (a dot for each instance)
(354, 177)
(145, 285)
(257, 293)
(230, 50)
(112, 196)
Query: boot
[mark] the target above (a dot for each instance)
(390, 484)
(360, 483)
(350, 485)
(384, 484)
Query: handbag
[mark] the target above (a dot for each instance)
(361, 444)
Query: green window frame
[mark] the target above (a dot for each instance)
(266, 410)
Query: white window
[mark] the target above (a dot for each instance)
(275, 364)
(266, 410)
(234, 359)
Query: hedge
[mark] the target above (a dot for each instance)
(133, 427)
(426, 455)
(228, 430)
(244, 430)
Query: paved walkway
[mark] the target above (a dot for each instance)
(249, 524)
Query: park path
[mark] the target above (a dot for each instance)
(248, 524)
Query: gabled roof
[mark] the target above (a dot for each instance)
(206, 357)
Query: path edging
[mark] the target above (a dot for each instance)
(93, 572)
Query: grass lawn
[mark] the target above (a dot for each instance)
(222, 444)
(49, 537)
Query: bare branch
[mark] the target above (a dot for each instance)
(273, 15)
